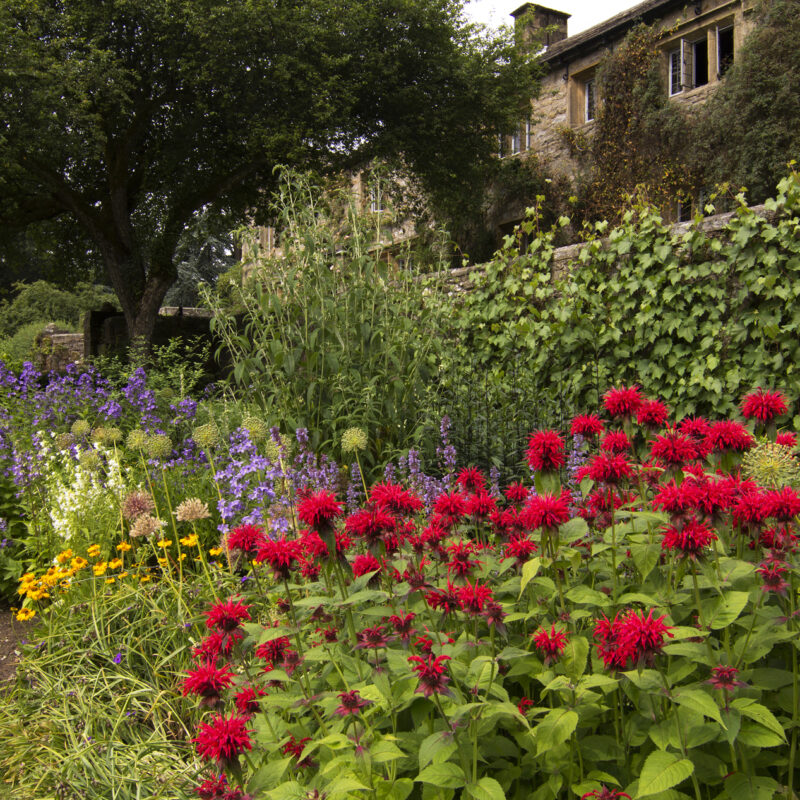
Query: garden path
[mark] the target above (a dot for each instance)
(11, 632)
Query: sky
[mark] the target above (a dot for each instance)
(585, 13)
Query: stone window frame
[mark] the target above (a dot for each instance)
(577, 96)
(590, 99)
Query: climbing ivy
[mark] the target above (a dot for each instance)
(695, 319)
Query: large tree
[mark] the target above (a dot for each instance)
(131, 116)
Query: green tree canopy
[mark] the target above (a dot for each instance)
(130, 117)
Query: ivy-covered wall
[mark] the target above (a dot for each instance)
(695, 319)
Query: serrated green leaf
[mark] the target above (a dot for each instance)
(662, 771)
(529, 570)
(445, 776)
(486, 789)
(698, 700)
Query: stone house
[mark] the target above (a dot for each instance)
(700, 42)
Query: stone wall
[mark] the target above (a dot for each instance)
(56, 348)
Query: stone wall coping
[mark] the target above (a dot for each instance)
(185, 311)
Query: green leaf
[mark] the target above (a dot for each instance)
(698, 700)
(575, 655)
(399, 790)
(748, 787)
(726, 609)
(758, 713)
(554, 729)
(486, 789)
(345, 784)
(529, 570)
(662, 771)
(445, 776)
(267, 775)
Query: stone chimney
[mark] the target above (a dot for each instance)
(539, 25)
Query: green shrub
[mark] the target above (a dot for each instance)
(21, 345)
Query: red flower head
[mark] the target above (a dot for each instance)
(247, 700)
(728, 435)
(471, 479)
(447, 600)
(295, 748)
(652, 414)
(246, 538)
(219, 643)
(545, 451)
(394, 498)
(642, 637)
(622, 402)
(615, 442)
(724, 678)
(351, 704)
(696, 427)
(223, 739)
(772, 573)
(372, 638)
(431, 673)
(208, 682)
(472, 598)
(604, 793)
(606, 468)
(320, 510)
(524, 704)
(227, 616)
(550, 644)
(546, 511)
(782, 504)
(370, 525)
(674, 449)
(786, 439)
(216, 788)
(750, 507)
(451, 506)
(517, 493)
(520, 548)
(764, 405)
(688, 540)
(274, 650)
(460, 562)
(586, 425)
(481, 504)
(367, 563)
(402, 625)
(281, 554)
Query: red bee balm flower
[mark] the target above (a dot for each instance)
(320, 509)
(615, 442)
(472, 598)
(782, 504)
(724, 678)
(689, 540)
(208, 682)
(772, 574)
(471, 479)
(606, 468)
(764, 405)
(786, 439)
(247, 700)
(431, 674)
(652, 413)
(546, 511)
(351, 704)
(517, 493)
(630, 637)
(281, 554)
(246, 538)
(394, 498)
(545, 451)
(728, 435)
(673, 449)
(604, 793)
(223, 739)
(551, 644)
(227, 616)
(586, 425)
(622, 402)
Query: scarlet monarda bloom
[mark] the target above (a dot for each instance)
(481, 504)
(471, 479)
(452, 506)
(320, 509)
(586, 425)
(351, 703)
(545, 451)
(724, 678)
(394, 498)
(208, 682)
(652, 414)
(517, 493)
(764, 405)
(520, 548)
(366, 563)
(372, 638)
(370, 525)
(281, 554)
(461, 564)
(223, 739)
(431, 673)
(615, 442)
(782, 504)
(473, 598)
(551, 644)
(772, 573)
(630, 638)
(402, 625)
(696, 427)
(728, 435)
(786, 439)
(604, 793)
(246, 700)
(607, 468)
(688, 540)
(673, 449)
(227, 616)
(246, 538)
(622, 402)
(546, 511)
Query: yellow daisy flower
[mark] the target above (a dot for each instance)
(189, 541)
(100, 568)
(123, 547)
(115, 563)
(164, 543)
(93, 551)
(25, 614)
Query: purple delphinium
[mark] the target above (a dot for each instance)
(354, 491)
(575, 460)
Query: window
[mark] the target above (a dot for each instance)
(527, 134)
(375, 200)
(684, 210)
(515, 142)
(590, 100)
(700, 62)
(724, 50)
(675, 84)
